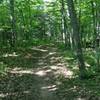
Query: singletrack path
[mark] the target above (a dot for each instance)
(33, 74)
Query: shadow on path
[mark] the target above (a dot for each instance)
(39, 73)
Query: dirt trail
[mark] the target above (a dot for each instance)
(38, 79)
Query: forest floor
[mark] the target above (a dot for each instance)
(41, 73)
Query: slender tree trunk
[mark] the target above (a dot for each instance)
(65, 31)
(75, 26)
(12, 13)
(94, 13)
(96, 24)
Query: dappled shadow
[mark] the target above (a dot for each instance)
(76, 89)
(40, 73)
(15, 87)
(37, 84)
(23, 58)
(32, 74)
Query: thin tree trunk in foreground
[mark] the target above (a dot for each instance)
(78, 46)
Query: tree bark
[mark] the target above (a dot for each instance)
(76, 32)
(12, 13)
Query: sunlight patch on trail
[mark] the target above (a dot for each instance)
(2, 95)
(50, 87)
(50, 54)
(10, 55)
(21, 71)
(38, 72)
(59, 69)
(41, 73)
(62, 70)
(38, 49)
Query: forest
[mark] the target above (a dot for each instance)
(49, 49)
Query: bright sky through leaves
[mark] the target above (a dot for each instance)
(48, 0)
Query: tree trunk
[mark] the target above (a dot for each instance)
(78, 47)
(13, 36)
(64, 25)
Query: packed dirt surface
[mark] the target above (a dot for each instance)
(41, 73)
(33, 74)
